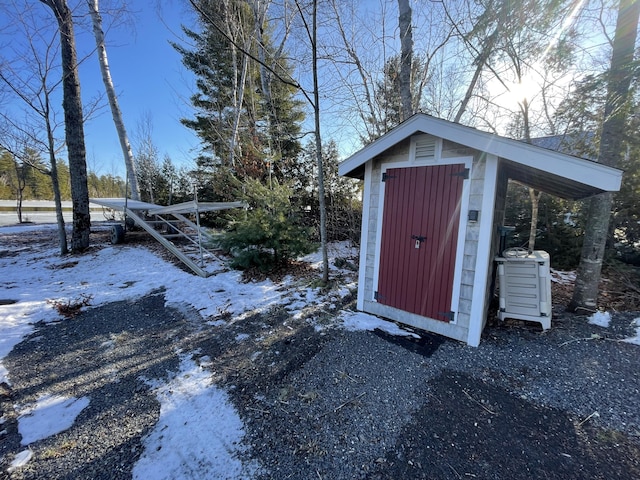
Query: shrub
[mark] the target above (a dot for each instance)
(268, 234)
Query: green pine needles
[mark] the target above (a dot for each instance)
(269, 234)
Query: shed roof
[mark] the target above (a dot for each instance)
(559, 174)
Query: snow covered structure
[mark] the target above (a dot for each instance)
(434, 197)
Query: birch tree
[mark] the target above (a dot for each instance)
(94, 11)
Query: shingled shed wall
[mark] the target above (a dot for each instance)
(477, 198)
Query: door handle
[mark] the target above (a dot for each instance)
(419, 239)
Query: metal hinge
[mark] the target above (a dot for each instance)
(386, 176)
(377, 296)
(450, 316)
(463, 173)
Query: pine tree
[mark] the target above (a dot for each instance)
(270, 233)
(246, 121)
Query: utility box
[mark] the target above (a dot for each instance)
(525, 286)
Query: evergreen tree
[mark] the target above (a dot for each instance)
(622, 72)
(245, 121)
(269, 234)
(581, 115)
(8, 176)
(64, 180)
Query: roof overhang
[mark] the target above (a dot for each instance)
(550, 171)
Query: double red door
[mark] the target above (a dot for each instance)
(420, 224)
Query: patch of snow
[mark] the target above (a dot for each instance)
(563, 278)
(255, 355)
(4, 375)
(216, 323)
(35, 277)
(353, 321)
(295, 306)
(20, 460)
(635, 340)
(207, 445)
(242, 336)
(344, 249)
(50, 414)
(199, 433)
(602, 319)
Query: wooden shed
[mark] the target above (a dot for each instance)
(434, 197)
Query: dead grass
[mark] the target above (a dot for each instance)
(70, 308)
(619, 289)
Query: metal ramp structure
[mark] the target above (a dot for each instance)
(184, 238)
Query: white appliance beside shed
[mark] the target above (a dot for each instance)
(525, 286)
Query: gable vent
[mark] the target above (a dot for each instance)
(426, 148)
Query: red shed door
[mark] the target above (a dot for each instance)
(419, 239)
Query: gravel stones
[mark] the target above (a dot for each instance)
(327, 403)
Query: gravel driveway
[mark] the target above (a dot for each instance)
(327, 403)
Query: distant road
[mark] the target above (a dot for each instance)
(40, 211)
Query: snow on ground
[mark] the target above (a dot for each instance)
(635, 340)
(602, 319)
(198, 431)
(50, 414)
(563, 278)
(20, 459)
(361, 321)
(35, 278)
(199, 434)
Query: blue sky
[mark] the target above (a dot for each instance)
(150, 82)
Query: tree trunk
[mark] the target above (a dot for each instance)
(20, 178)
(94, 11)
(535, 202)
(406, 57)
(318, 137)
(74, 126)
(237, 87)
(585, 293)
(55, 184)
(239, 95)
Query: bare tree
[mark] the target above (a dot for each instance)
(312, 33)
(74, 125)
(27, 77)
(94, 11)
(346, 58)
(622, 71)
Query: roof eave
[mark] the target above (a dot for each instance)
(592, 174)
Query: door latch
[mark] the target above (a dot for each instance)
(419, 239)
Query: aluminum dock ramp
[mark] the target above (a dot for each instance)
(184, 238)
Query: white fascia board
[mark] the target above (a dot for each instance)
(567, 166)
(388, 140)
